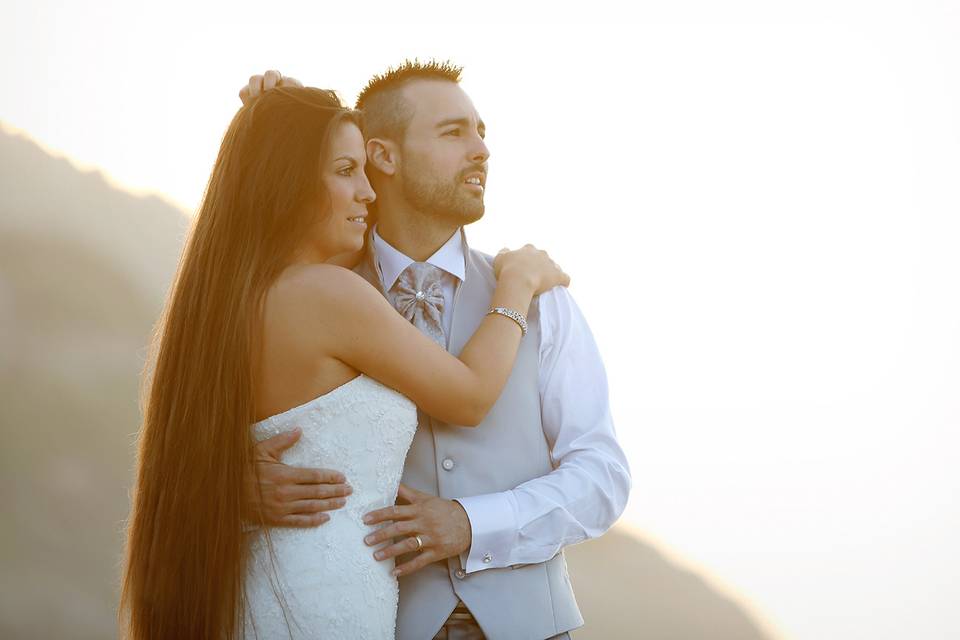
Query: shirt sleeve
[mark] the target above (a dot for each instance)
(588, 488)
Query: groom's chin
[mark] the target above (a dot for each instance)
(471, 212)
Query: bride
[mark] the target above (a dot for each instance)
(262, 333)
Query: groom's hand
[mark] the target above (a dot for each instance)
(290, 496)
(443, 527)
(270, 79)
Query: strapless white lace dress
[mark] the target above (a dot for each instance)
(327, 583)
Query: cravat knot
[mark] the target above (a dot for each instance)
(418, 296)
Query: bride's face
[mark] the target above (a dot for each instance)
(341, 225)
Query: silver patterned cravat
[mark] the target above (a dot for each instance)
(418, 296)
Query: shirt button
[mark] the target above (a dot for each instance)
(460, 573)
(447, 464)
(487, 558)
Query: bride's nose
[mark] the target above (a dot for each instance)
(365, 193)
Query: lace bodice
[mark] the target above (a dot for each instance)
(332, 586)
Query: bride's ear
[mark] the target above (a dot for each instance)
(383, 155)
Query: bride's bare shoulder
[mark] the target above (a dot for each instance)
(304, 286)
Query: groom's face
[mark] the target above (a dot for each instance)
(443, 168)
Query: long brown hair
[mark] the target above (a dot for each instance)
(186, 557)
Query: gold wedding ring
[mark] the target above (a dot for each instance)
(419, 542)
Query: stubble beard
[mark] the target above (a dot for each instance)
(441, 200)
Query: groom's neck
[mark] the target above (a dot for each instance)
(414, 236)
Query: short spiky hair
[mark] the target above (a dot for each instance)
(386, 114)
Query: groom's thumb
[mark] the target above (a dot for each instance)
(273, 447)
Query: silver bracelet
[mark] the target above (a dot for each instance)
(516, 316)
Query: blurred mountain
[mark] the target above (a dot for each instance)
(626, 588)
(84, 268)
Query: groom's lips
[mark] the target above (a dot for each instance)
(476, 181)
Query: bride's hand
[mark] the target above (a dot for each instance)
(533, 266)
(270, 79)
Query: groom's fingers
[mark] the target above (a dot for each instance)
(271, 79)
(396, 512)
(308, 492)
(255, 86)
(271, 448)
(307, 507)
(402, 528)
(408, 494)
(407, 545)
(301, 521)
(303, 475)
(419, 562)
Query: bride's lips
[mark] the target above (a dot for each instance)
(360, 220)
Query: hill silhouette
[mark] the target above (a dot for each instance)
(83, 272)
(84, 267)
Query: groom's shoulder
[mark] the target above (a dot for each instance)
(559, 300)
(481, 258)
(481, 263)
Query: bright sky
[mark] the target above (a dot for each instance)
(758, 204)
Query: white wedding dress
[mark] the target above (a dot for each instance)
(329, 584)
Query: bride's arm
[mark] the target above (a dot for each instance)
(364, 331)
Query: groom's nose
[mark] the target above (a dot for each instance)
(479, 153)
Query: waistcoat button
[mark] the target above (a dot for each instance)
(447, 464)
(460, 573)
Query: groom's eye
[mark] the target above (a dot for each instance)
(452, 132)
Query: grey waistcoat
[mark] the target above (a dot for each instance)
(508, 448)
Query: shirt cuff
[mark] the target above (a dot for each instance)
(494, 530)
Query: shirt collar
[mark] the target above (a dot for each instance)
(449, 257)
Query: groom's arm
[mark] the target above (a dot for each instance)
(260, 83)
(587, 490)
(580, 499)
(278, 495)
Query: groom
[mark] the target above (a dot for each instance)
(484, 513)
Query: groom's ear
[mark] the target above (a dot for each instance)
(383, 154)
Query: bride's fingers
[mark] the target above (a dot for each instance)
(305, 507)
(418, 562)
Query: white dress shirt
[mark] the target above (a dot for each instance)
(588, 488)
